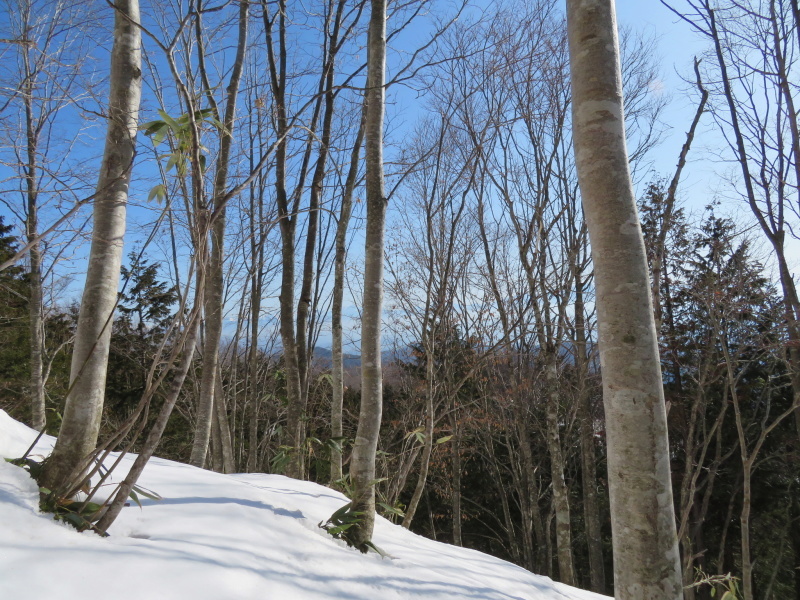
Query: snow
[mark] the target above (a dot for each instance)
(231, 537)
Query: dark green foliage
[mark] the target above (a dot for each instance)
(14, 332)
(146, 302)
(15, 349)
(341, 522)
(144, 313)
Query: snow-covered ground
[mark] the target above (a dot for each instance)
(231, 537)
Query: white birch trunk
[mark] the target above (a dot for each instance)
(646, 558)
(81, 421)
(362, 465)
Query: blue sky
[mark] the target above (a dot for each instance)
(677, 45)
(703, 179)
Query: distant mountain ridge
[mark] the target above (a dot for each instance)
(323, 358)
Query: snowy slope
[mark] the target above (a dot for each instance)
(231, 537)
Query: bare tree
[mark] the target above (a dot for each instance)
(292, 185)
(424, 268)
(753, 64)
(48, 46)
(337, 354)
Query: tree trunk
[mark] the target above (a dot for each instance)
(744, 522)
(253, 395)
(287, 221)
(337, 357)
(455, 452)
(212, 304)
(591, 512)
(35, 315)
(214, 448)
(35, 306)
(287, 330)
(566, 571)
(362, 467)
(81, 421)
(533, 525)
(646, 557)
(228, 464)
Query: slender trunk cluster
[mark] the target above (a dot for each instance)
(213, 301)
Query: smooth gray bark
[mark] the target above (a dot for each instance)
(35, 303)
(362, 466)
(646, 557)
(81, 421)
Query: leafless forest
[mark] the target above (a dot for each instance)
(393, 247)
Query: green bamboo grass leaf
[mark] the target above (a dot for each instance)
(392, 510)
(149, 494)
(158, 193)
(173, 124)
(152, 127)
(172, 162)
(159, 136)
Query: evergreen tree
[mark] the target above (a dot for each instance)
(14, 332)
(145, 310)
